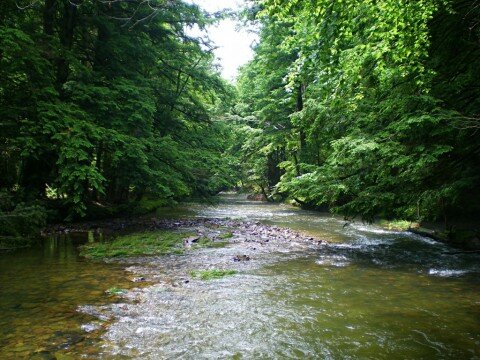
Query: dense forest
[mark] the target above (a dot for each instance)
(366, 108)
(104, 103)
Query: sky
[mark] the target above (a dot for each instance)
(233, 45)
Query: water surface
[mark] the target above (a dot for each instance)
(369, 293)
(40, 290)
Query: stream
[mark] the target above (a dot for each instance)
(367, 293)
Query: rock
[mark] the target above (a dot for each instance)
(190, 240)
(241, 258)
(67, 339)
(91, 327)
(138, 279)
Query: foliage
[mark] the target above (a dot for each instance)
(263, 108)
(398, 225)
(24, 220)
(19, 221)
(108, 102)
(370, 108)
(373, 104)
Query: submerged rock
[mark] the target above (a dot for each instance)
(241, 258)
(91, 327)
(63, 340)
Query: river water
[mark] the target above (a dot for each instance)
(367, 294)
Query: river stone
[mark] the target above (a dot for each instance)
(91, 327)
(191, 240)
(241, 258)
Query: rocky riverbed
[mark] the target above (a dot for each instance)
(245, 288)
(248, 246)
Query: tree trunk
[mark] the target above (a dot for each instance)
(303, 138)
(48, 17)
(66, 39)
(297, 167)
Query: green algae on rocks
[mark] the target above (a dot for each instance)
(146, 243)
(116, 291)
(205, 242)
(226, 235)
(211, 274)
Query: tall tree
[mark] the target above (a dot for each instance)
(106, 101)
(386, 106)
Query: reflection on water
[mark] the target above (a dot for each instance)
(40, 290)
(369, 293)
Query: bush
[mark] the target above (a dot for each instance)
(22, 221)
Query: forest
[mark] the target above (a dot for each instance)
(103, 104)
(363, 108)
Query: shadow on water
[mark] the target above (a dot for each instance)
(403, 251)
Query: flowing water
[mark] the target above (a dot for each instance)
(367, 294)
(40, 290)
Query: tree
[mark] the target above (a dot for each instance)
(107, 102)
(386, 105)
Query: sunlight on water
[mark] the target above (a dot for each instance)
(370, 293)
(367, 294)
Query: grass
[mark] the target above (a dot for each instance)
(116, 291)
(207, 243)
(227, 235)
(211, 274)
(138, 244)
(144, 244)
(399, 225)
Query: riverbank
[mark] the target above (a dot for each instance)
(147, 215)
(463, 237)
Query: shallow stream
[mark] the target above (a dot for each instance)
(367, 294)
